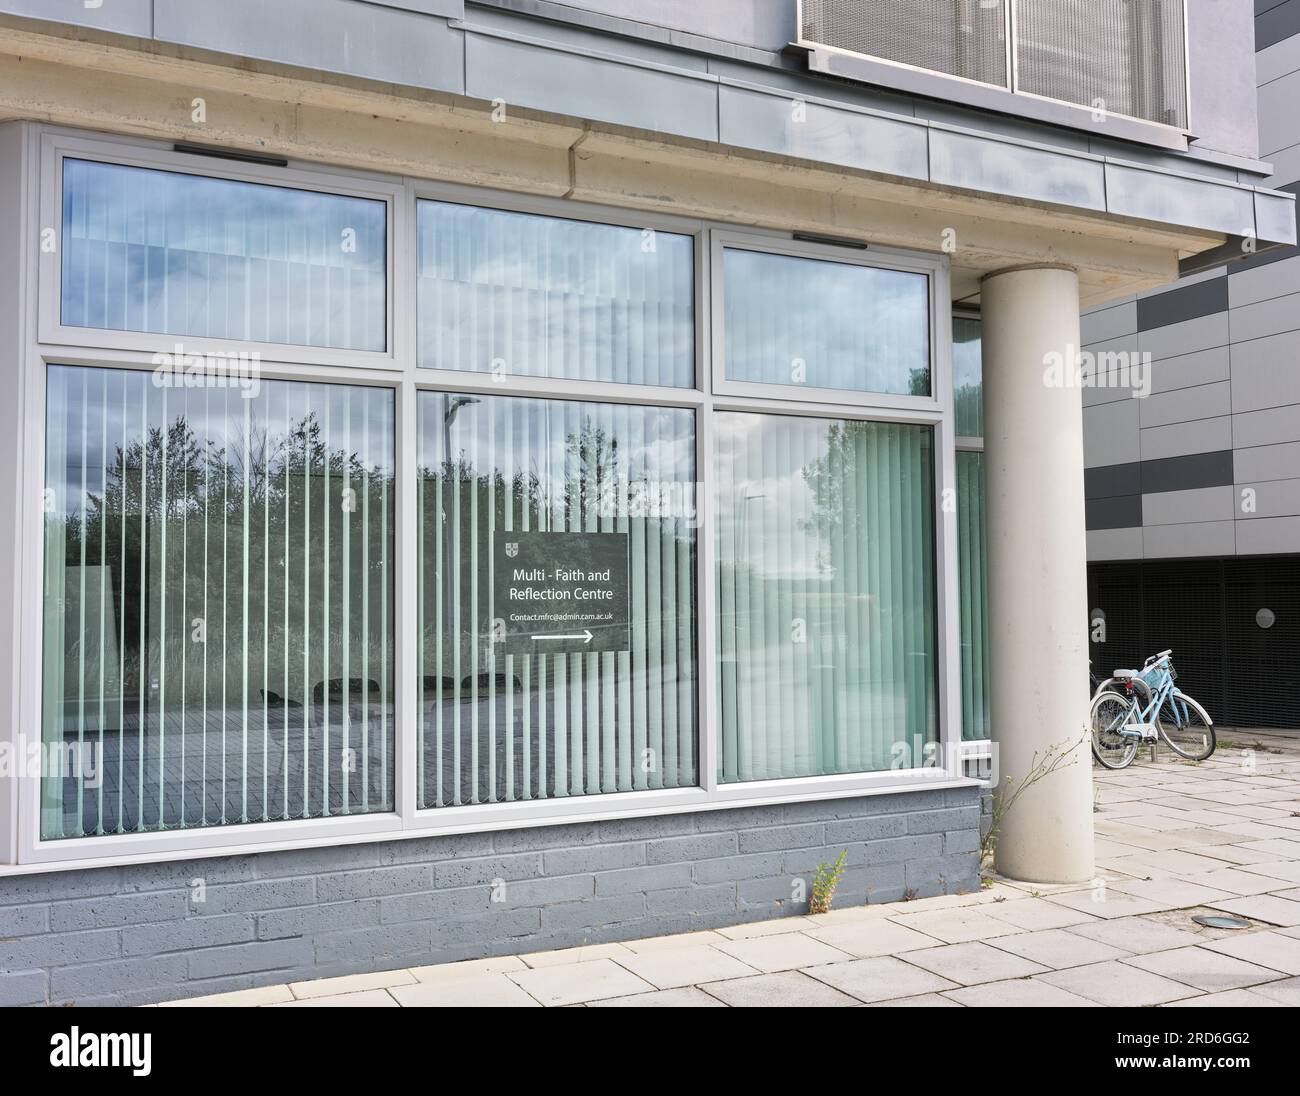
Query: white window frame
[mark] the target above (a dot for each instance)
(59, 146)
(873, 258)
(397, 370)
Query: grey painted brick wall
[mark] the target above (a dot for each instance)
(135, 935)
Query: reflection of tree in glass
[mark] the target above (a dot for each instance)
(185, 529)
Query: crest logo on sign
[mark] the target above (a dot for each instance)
(512, 548)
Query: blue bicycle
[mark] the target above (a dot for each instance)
(1143, 705)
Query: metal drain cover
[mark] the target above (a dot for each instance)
(1219, 922)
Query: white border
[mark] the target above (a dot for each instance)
(397, 370)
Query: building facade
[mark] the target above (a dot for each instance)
(497, 476)
(1194, 492)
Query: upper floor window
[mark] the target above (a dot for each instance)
(819, 323)
(518, 294)
(1122, 57)
(178, 254)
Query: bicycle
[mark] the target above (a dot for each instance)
(1121, 723)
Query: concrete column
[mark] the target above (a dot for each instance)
(1037, 570)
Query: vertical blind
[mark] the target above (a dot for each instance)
(972, 585)
(177, 254)
(809, 322)
(499, 727)
(825, 597)
(520, 294)
(218, 633)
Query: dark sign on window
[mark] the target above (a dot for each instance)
(561, 592)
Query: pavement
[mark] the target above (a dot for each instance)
(1174, 839)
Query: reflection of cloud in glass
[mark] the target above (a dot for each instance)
(171, 253)
(853, 327)
(551, 297)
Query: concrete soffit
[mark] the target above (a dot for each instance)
(989, 203)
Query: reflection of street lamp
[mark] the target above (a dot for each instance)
(451, 408)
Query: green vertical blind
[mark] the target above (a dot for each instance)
(500, 727)
(521, 294)
(218, 602)
(814, 323)
(178, 254)
(825, 595)
(973, 590)
(967, 376)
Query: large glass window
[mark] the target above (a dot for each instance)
(525, 295)
(968, 376)
(218, 634)
(825, 595)
(178, 254)
(817, 323)
(557, 631)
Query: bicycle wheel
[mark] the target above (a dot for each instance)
(1187, 729)
(1107, 717)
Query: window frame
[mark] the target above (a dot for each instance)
(873, 258)
(49, 343)
(58, 147)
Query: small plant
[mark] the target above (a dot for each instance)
(1054, 758)
(909, 895)
(824, 883)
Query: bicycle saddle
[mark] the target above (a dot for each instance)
(1125, 675)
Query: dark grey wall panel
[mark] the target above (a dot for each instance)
(1187, 473)
(644, 96)
(367, 40)
(1118, 512)
(1188, 302)
(1111, 480)
(752, 119)
(123, 16)
(1276, 23)
(134, 935)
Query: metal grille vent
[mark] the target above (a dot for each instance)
(1124, 56)
(964, 38)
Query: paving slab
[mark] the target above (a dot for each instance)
(972, 963)
(788, 989)
(585, 954)
(956, 926)
(575, 983)
(880, 979)
(1057, 949)
(1031, 914)
(1019, 993)
(687, 997)
(1232, 998)
(678, 967)
(1207, 970)
(863, 939)
(1118, 985)
(787, 951)
(1237, 883)
(1107, 904)
(924, 1000)
(469, 968)
(369, 998)
(1264, 907)
(489, 990)
(1266, 949)
(351, 983)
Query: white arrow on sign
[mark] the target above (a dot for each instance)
(585, 635)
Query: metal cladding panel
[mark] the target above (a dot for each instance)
(379, 42)
(812, 131)
(1172, 199)
(121, 16)
(1275, 218)
(964, 38)
(975, 163)
(1117, 56)
(646, 97)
